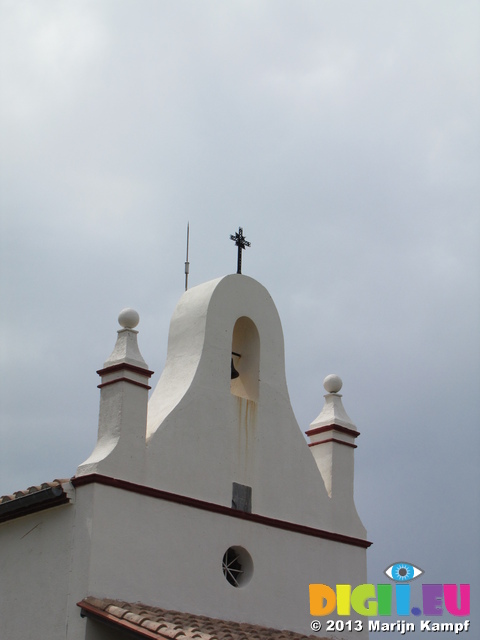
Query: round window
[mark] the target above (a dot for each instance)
(237, 566)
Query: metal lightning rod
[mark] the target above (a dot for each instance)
(187, 263)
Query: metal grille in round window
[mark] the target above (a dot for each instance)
(237, 566)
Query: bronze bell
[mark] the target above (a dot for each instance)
(233, 372)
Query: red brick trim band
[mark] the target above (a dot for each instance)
(123, 379)
(333, 427)
(125, 366)
(347, 444)
(159, 494)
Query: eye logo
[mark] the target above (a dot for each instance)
(403, 572)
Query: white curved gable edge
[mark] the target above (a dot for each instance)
(201, 326)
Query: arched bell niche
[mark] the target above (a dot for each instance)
(245, 359)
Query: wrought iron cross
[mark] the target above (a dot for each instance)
(241, 243)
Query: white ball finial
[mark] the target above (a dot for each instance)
(128, 318)
(333, 383)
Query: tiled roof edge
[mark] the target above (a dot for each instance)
(151, 622)
(33, 499)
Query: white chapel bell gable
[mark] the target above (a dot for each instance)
(209, 428)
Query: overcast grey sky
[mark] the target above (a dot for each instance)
(343, 136)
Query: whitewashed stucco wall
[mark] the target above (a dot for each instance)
(170, 555)
(35, 566)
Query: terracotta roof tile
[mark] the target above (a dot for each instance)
(33, 489)
(37, 498)
(153, 622)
